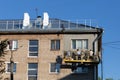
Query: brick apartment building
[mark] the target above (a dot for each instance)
(40, 52)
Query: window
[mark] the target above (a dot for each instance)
(8, 67)
(13, 45)
(33, 48)
(81, 70)
(32, 71)
(80, 44)
(55, 44)
(54, 68)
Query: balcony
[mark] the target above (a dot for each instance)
(85, 57)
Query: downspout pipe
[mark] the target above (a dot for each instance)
(99, 35)
(95, 73)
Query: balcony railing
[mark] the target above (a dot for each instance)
(53, 24)
(84, 57)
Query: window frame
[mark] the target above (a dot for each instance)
(82, 71)
(50, 71)
(6, 69)
(55, 45)
(33, 46)
(82, 43)
(33, 70)
(11, 45)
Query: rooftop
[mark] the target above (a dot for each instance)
(55, 25)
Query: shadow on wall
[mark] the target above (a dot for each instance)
(75, 77)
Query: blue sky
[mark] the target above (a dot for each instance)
(106, 12)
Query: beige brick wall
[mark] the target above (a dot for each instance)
(45, 57)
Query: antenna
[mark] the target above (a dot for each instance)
(26, 21)
(45, 19)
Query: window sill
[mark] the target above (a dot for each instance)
(10, 73)
(54, 73)
(32, 56)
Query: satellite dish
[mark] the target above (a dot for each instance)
(45, 19)
(26, 21)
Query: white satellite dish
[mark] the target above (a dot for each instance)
(26, 21)
(45, 19)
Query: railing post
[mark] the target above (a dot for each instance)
(90, 24)
(7, 25)
(85, 23)
(19, 24)
(59, 24)
(69, 24)
(13, 25)
(77, 24)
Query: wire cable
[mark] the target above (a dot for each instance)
(111, 42)
(112, 46)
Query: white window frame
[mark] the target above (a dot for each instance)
(32, 69)
(7, 67)
(50, 68)
(82, 44)
(14, 45)
(34, 51)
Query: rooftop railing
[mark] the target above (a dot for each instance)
(53, 24)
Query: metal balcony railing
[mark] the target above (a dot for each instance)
(53, 24)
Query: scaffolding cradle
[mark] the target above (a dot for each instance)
(81, 61)
(84, 58)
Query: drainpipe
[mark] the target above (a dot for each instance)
(99, 35)
(95, 73)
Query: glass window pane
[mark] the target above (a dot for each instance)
(14, 67)
(55, 44)
(32, 78)
(15, 44)
(8, 67)
(85, 44)
(33, 42)
(52, 44)
(79, 44)
(32, 65)
(73, 44)
(58, 44)
(84, 69)
(33, 48)
(52, 67)
(32, 72)
(81, 70)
